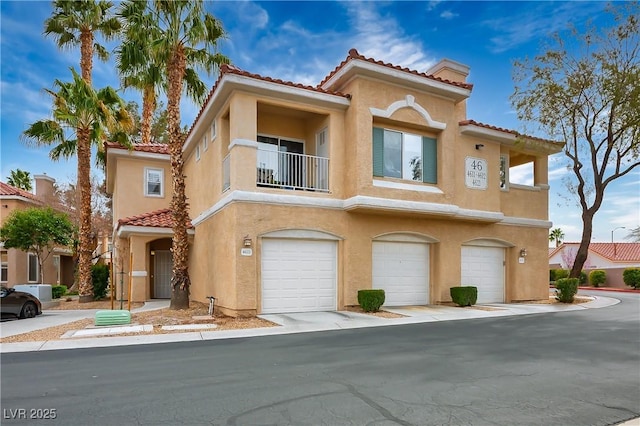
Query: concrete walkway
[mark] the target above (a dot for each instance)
(289, 323)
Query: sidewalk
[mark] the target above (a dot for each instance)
(289, 323)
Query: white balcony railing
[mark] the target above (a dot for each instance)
(226, 173)
(289, 170)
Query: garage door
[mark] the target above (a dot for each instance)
(402, 271)
(298, 275)
(483, 267)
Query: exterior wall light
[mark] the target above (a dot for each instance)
(247, 241)
(523, 252)
(479, 146)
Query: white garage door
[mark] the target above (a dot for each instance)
(483, 267)
(402, 271)
(298, 275)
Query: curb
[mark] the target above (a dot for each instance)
(615, 290)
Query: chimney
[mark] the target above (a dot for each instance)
(450, 70)
(44, 186)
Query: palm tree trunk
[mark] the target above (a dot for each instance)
(180, 281)
(148, 106)
(86, 55)
(84, 246)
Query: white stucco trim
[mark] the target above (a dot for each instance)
(406, 186)
(488, 242)
(364, 202)
(138, 273)
(19, 198)
(308, 234)
(521, 221)
(524, 187)
(408, 102)
(127, 230)
(119, 152)
(406, 237)
(386, 204)
(243, 142)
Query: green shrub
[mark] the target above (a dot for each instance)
(370, 300)
(561, 273)
(597, 277)
(57, 291)
(566, 289)
(583, 277)
(100, 279)
(631, 277)
(464, 296)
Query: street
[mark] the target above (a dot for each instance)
(568, 368)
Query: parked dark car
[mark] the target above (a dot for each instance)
(19, 303)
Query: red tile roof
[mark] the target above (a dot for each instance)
(12, 191)
(353, 54)
(503, 130)
(155, 148)
(156, 219)
(615, 252)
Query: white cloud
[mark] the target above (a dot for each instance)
(381, 37)
(522, 174)
(447, 14)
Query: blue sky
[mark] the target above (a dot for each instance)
(303, 42)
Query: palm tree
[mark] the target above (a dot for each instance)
(20, 179)
(81, 115)
(556, 235)
(76, 23)
(183, 37)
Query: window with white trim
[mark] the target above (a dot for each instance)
(504, 172)
(153, 182)
(404, 156)
(32, 268)
(4, 266)
(205, 142)
(198, 152)
(214, 131)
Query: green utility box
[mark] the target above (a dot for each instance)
(115, 317)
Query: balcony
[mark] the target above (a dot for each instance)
(289, 170)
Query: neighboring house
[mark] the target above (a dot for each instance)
(300, 196)
(17, 266)
(614, 258)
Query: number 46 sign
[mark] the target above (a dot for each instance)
(475, 173)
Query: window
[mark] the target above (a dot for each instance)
(153, 185)
(32, 273)
(4, 267)
(198, 152)
(504, 172)
(214, 131)
(404, 156)
(205, 142)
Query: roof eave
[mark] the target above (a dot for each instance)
(230, 82)
(392, 75)
(511, 139)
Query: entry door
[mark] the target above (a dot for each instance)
(162, 277)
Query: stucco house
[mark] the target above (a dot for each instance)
(613, 258)
(300, 196)
(17, 266)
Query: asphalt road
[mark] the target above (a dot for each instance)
(570, 368)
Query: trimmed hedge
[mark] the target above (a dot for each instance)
(57, 291)
(566, 289)
(556, 274)
(583, 277)
(464, 295)
(597, 277)
(631, 277)
(371, 300)
(100, 279)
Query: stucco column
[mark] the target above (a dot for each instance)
(243, 157)
(139, 270)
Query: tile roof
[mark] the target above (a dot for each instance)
(353, 54)
(503, 130)
(615, 252)
(156, 219)
(156, 148)
(11, 191)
